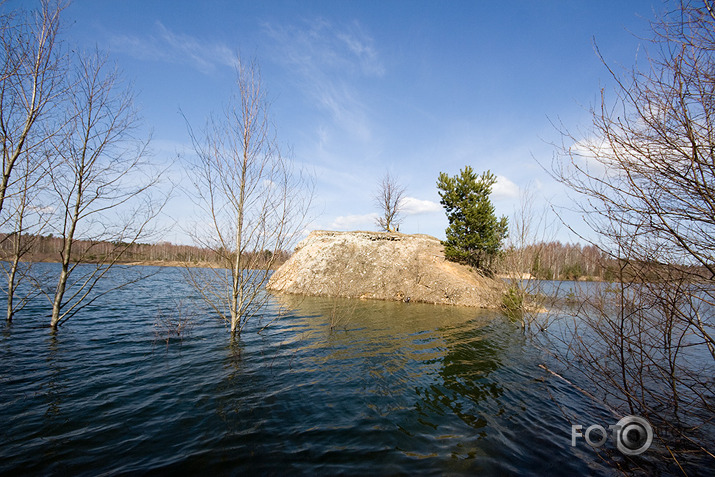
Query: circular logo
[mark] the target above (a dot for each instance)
(633, 435)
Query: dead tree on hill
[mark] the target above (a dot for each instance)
(389, 199)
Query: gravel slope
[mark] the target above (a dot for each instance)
(383, 266)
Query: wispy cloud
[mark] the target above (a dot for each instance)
(344, 107)
(327, 59)
(319, 45)
(167, 46)
(356, 40)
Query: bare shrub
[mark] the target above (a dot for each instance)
(175, 323)
(644, 179)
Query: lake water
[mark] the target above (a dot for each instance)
(392, 388)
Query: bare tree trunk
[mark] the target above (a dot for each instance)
(237, 283)
(65, 256)
(32, 77)
(11, 284)
(27, 222)
(17, 253)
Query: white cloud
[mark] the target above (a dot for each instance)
(597, 156)
(505, 189)
(413, 206)
(353, 222)
(169, 47)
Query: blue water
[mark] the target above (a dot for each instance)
(392, 388)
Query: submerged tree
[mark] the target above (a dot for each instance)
(646, 180)
(529, 232)
(251, 200)
(475, 234)
(32, 82)
(101, 184)
(389, 198)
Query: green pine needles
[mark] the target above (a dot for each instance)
(475, 234)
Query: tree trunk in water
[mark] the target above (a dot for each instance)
(62, 282)
(234, 323)
(59, 294)
(11, 290)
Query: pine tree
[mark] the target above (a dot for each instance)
(475, 234)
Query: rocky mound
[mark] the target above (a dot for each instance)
(383, 266)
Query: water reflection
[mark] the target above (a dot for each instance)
(53, 387)
(442, 389)
(465, 380)
(415, 367)
(394, 389)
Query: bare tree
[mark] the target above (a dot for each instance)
(32, 81)
(646, 176)
(389, 199)
(251, 200)
(101, 183)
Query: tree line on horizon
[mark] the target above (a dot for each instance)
(47, 248)
(553, 260)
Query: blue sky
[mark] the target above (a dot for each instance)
(359, 88)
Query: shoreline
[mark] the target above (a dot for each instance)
(151, 263)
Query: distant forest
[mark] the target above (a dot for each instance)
(39, 248)
(559, 261)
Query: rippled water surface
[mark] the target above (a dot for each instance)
(392, 388)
